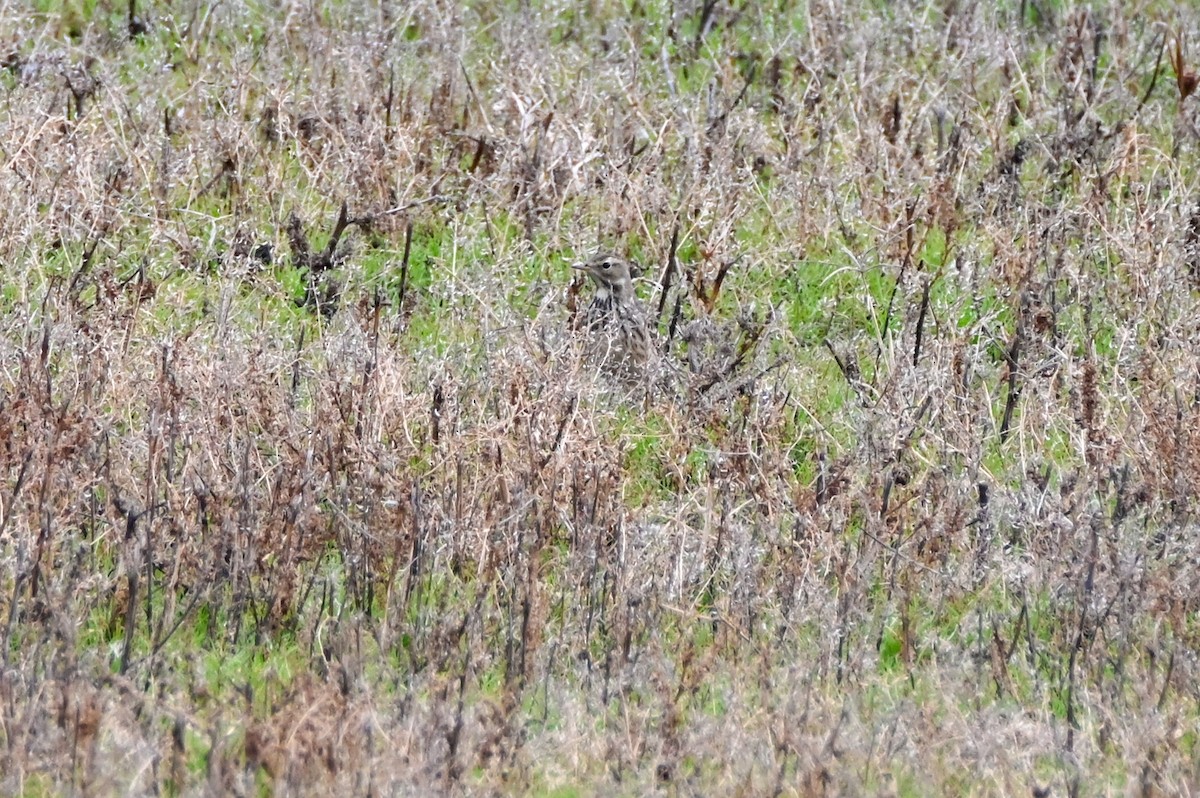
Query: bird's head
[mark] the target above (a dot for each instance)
(609, 272)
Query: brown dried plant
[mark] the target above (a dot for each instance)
(305, 486)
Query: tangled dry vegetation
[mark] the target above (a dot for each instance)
(307, 487)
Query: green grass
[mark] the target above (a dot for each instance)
(611, 584)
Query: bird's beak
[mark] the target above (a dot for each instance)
(579, 266)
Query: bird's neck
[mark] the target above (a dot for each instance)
(619, 292)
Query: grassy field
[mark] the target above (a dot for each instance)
(308, 484)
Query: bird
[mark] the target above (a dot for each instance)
(615, 319)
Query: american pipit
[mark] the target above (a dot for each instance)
(615, 318)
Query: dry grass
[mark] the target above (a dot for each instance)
(305, 486)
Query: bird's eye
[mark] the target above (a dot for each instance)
(605, 265)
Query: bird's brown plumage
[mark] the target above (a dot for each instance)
(615, 318)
